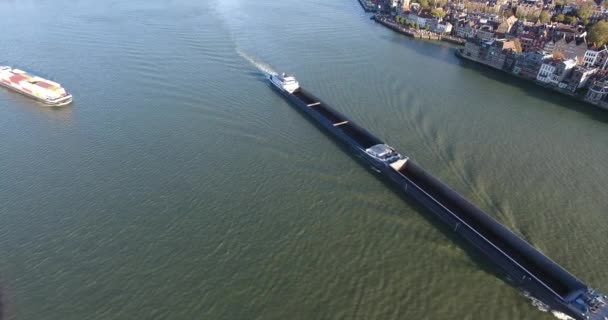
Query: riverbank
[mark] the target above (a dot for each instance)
(573, 95)
(390, 23)
(418, 34)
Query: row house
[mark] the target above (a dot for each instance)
(528, 64)
(598, 93)
(492, 53)
(553, 72)
(465, 29)
(580, 77)
(421, 18)
(498, 52)
(471, 50)
(438, 26)
(596, 58)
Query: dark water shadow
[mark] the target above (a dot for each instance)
(475, 256)
(533, 90)
(2, 314)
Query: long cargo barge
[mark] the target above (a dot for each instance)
(37, 88)
(544, 281)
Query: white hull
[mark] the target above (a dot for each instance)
(284, 82)
(43, 90)
(55, 103)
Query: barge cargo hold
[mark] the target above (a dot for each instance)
(523, 266)
(42, 90)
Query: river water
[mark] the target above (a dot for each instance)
(180, 186)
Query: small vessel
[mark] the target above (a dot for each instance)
(549, 285)
(43, 90)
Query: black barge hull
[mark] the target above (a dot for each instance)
(522, 265)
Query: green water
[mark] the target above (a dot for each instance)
(179, 186)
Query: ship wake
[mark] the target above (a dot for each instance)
(545, 308)
(262, 66)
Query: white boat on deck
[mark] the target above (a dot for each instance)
(284, 82)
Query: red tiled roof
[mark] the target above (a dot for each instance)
(16, 78)
(45, 85)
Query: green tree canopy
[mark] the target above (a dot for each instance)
(570, 20)
(437, 13)
(560, 18)
(584, 12)
(531, 16)
(424, 4)
(441, 3)
(598, 34)
(545, 16)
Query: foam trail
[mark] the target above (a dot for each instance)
(561, 316)
(264, 67)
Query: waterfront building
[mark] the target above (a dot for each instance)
(598, 93)
(553, 72)
(419, 18)
(471, 50)
(528, 64)
(510, 61)
(580, 77)
(545, 74)
(443, 27)
(596, 58)
(493, 53)
(465, 29)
